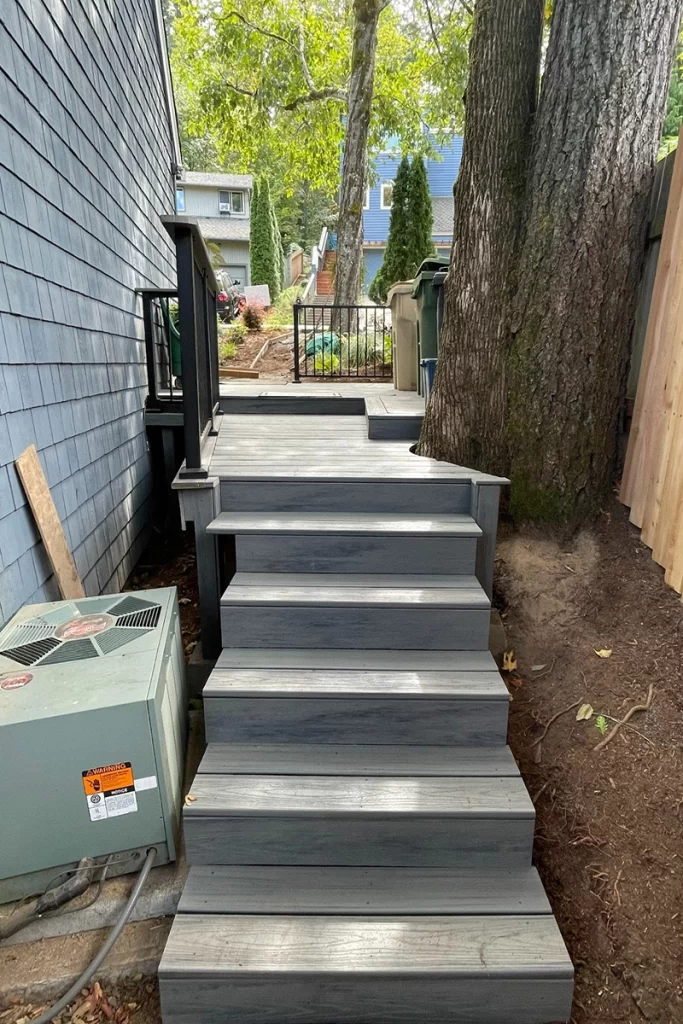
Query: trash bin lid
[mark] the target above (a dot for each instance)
(434, 263)
(439, 278)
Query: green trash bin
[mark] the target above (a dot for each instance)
(426, 297)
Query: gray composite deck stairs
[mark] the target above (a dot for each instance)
(359, 834)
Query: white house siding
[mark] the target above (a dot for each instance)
(85, 172)
(203, 202)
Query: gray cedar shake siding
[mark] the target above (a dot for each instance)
(86, 157)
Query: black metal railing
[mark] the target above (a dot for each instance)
(350, 342)
(164, 385)
(182, 350)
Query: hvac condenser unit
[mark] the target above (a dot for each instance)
(92, 736)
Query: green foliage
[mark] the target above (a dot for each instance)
(234, 334)
(281, 313)
(253, 316)
(365, 351)
(410, 229)
(601, 724)
(265, 252)
(325, 363)
(674, 107)
(228, 350)
(420, 217)
(238, 66)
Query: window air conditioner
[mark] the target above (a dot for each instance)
(224, 207)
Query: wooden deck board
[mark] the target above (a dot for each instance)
(383, 891)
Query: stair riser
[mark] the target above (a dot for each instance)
(244, 998)
(345, 496)
(294, 405)
(394, 428)
(399, 840)
(347, 720)
(435, 629)
(353, 553)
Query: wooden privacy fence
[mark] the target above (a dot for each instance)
(652, 483)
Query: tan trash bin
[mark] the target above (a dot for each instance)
(403, 335)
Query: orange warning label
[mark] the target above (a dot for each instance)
(108, 778)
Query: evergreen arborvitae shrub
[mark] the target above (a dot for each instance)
(396, 264)
(420, 217)
(264, 269)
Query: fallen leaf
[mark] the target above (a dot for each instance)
(537, 668)
(515, 680)
(189, 799)
(584, 713)
(184, 600)
(606, 652)
(509, 661)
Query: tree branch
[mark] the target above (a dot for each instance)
(304, 64)
(433, 31)
(257, 28)
(240, 90)
(328, 93)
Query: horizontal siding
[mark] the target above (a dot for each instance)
(85, 173)
(203, 202)
(441, 175)
(372, 261)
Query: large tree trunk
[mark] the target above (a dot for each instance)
(355, 164)
(602, 103)
(465, 417)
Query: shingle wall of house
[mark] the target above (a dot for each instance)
(85, 173)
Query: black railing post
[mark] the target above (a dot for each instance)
(187, 322)
(152, 401)
(297, 371)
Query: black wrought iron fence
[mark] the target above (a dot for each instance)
(332, 342)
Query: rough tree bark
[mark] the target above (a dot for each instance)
(355, 164)
(597, 129)
(465, 417)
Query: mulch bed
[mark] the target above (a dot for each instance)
(609, 840)
(278, 360)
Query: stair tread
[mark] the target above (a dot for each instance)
(470, 946)
(349, 523)
(356, 759)
(356, 660)
(352, 589)
(256, 889)
(338, 683)
(376, 408)
(358, 796)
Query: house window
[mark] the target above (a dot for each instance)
(386, 193)
(231, 202)
(366, 204)
(180, 200)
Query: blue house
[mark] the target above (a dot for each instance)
(441, 174)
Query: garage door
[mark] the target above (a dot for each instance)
(239, 275)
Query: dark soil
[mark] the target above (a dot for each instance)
(609, 839)
(278, 361)
(172, 563)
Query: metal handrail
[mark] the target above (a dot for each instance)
(317, 256)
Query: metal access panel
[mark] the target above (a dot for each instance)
(93, 713)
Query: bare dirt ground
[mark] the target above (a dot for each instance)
(609, 838)
(278, 360)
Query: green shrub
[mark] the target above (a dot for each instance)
(326, 363)
(234, 333)
(281, 312)
(228, 350)
(253, 316)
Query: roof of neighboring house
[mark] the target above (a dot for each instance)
(217, 179)
(224, 229)
(443, 209)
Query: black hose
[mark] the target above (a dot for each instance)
(48, 1015)
(51, 900)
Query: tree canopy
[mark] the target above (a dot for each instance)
(254, 76)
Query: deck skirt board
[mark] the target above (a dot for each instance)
(240, 889)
